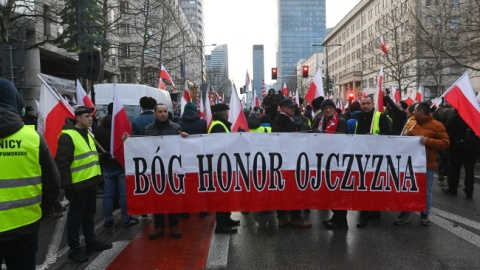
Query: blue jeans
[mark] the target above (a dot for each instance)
(429, 192)
(81, 213)
(20, 255)
(114, 178)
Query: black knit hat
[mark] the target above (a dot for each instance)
(317, 102)
(219, 107)
(327, 103)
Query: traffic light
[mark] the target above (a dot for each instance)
(350, 96)
(305, 71)
(242, 90)
(274, 73)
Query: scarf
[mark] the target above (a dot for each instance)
(330, 125)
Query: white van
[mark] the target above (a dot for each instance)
(130, 95)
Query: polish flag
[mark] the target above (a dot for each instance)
(412, 95)
(161, 85)
(461, 96)
(264, 90)
(207, 113)
(316, 87)
(296, 100)
(383, 46)
(379, 104)
(120, 125)
(201, 108)
(285, 89)
(419, 97)
(53, 110)
(340, 105)
(236, 115)
(164, 75)
(247, 79)
(83, 99)
(256, 102)
(185, 98)
(395, 94)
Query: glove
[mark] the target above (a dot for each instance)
(69, 194)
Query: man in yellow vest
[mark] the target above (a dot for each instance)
(220, 124)
(29, 182)
(370, 122)
(78, 164)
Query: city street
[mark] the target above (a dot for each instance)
(452, 241)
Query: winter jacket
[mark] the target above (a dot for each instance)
(462, 137)
(398, 116)
(283, 123)
(162, 128)
(219, 128)
(104, 138)
(140, 122)
(364, 123)
(437, 138)
(10, 123)
(192, 124)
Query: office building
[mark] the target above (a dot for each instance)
(258, 68)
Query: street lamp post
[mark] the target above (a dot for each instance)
(327, 75)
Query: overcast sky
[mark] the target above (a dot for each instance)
(243, 23)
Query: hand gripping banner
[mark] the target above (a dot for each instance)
(268, 171)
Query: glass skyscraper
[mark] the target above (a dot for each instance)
(258, 68)
(301, 23)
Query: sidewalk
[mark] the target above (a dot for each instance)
(166, 252)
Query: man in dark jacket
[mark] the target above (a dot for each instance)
(396, 112)
(464, 146)
(191, 122)
(113, 175)
(284, 123)
(146, 117)
(78, 164)
(161, 127)
(30, 118)
(19, 225)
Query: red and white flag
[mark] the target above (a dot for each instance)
(412, 95)
(207, 112)
(164, 75)
(461, 96)
(53, 110)
(83, 99)
(379, 102)
(264, 90)
(256, 102)
(236, 115)
(247, 79)
(419, 97)
(383, 46)
(185, 98)
(120, 125)
(201, 107)
(161, 85)
(316, 87)
(285, 89)
(340, 105)
(296, 100)
(395, 94)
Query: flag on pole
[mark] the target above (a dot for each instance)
(53, 110)
(207, 112)
(83, 99)
(395, 94)
(412, 95)
(185, 98)
(296, 100)
(461, 96)
(383, 46)
(419, 97)
(256, 102)
(182, 69)
(316, 87)
(379, 102)
(247, 79)
(236, 115)
(285, 89)
(264, 90)
(200, 106)
(164, 75)
(120, 125)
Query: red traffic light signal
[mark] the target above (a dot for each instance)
(305, 71)
(274, 73)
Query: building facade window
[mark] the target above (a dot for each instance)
(124, 50)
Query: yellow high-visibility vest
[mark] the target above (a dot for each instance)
(216, 122)
(20, 180)
(85, 163)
